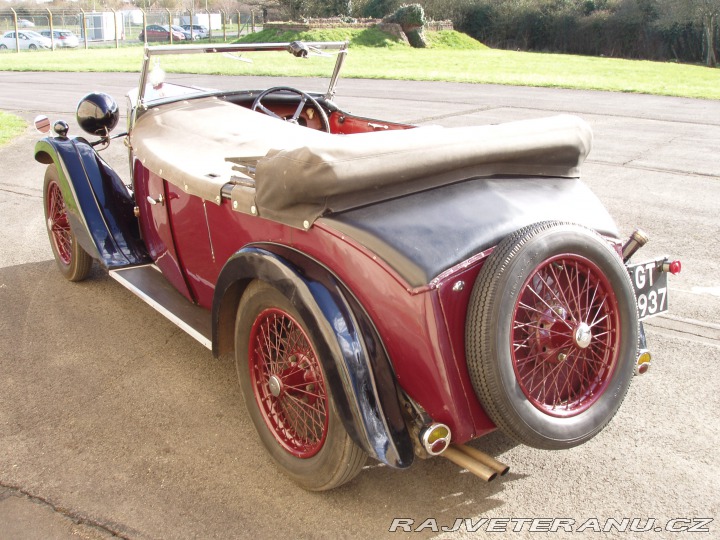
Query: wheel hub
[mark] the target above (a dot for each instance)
(275, 385)
(582, 336)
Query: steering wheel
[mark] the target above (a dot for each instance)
(304, 98)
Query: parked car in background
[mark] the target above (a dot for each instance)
(24, 23)
(62, 38)
(28, 40)
(184, 32)
(198, 31)
(156, 32)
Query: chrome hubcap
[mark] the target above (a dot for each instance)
(275, 385)
(583, 336)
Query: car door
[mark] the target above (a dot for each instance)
(151, 197)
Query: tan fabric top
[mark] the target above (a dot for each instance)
(302, 173)
(187, 143)
(343, 172)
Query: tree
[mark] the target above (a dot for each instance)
(708, 12)
(705, 13)
(294, 9)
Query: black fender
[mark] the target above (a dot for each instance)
(100, 208)
(350, 350)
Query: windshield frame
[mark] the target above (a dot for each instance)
(150, 52)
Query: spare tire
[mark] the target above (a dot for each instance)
(552, 334)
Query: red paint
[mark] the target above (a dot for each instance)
(345, 124)
(193, 243)
(155, 226)
(427, 358)
(454, 305)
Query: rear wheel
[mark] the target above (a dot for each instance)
(72, 260)
(287, 395)
(552, 335)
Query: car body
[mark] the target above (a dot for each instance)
(157, 32)
(25, 23)
(28, 39)
(185, 33)
(385, 290)
(198, 31)
(63, 39)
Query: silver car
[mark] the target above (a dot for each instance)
(64, 39)
(198, 31)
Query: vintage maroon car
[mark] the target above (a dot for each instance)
(385, 290)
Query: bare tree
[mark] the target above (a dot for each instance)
(706, 13)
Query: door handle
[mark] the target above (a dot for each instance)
(159, 200)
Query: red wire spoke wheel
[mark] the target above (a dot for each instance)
(551, 335)
(72, 260)
(288, 383)
(565, 335)
(286, 390)
(58, 224)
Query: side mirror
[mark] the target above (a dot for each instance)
(98, 114)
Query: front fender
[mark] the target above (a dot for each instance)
(100, 209)
(350, 350)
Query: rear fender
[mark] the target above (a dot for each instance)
(351, 353)
(99, 206)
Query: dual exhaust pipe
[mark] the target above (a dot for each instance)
(436, 437)
(475, 461)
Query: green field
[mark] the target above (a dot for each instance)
(373, 55)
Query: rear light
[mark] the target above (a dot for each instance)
(643, 361)
(673, 267)
(435, 438)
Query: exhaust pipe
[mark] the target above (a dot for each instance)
(484, 458)
(461, 459)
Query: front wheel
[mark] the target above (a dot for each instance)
(72, 260)
(287, 395)
(32, 47)
(552, 334)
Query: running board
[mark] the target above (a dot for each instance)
(150, 285)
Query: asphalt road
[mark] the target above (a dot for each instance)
(115, 423)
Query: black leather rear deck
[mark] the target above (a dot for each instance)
(423, 234)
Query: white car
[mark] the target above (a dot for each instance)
(24, 23)
(28, 40)
(63, 38)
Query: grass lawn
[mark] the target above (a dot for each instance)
(10, 127)
(376, 56)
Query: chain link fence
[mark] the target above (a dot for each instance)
(123, 27)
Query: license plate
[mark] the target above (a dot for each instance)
(650, 284)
